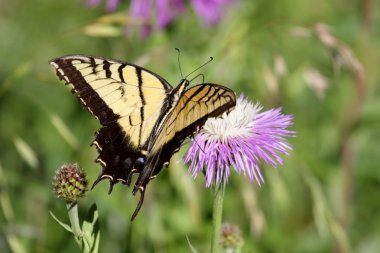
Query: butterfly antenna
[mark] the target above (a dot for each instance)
(204, 64)
(179, 62)
(203, 78)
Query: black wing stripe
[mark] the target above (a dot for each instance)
(139, 78)
(86, 94)
(106, 67)
(201, 87)
(195, 104)
(120, 71)
(93, 64)
(211, 95)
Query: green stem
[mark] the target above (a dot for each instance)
(72, 210)
(217, 217)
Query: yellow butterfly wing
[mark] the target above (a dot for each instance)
(126, 99)
(193, 108)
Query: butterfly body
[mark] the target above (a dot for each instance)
(144, 120)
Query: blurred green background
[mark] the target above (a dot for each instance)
(318, 60)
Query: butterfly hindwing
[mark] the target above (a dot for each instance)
(126, 99)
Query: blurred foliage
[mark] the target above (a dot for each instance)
(317, 60)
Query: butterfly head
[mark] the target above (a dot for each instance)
(177, 91)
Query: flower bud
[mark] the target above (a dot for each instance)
(70, 182)
(231, 237)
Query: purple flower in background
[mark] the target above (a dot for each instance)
(167, 11)
(140, 9)
(210, 11)
(242, 138)
(93, 3)
(111, 5)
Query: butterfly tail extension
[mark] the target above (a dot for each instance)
(139, 205)
(152, 167)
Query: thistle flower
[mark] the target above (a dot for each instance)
(111, 5)
(231, 238)
(166, 11)
(141, 9)
(210, 11)
(242, 138)
(70, 182)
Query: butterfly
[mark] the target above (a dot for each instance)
(144, 119)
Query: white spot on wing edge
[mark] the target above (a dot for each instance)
(101, 162)
(61, 71)
(66, 79)
(76, 61)
(121, 180)
(97, 145)
(76, 57)
(55, 65)
(84, 102)
(107, 176)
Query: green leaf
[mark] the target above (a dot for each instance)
(95, 248)
(91, 232)
(193, 250)
(15, 244)
(26, 152)
(65, 226)
(102, 30)
(20, 71)
(64, 131)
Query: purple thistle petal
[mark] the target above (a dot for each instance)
(167, 10)
(112, 5)
(210, 11)
(243, 139)
(140, 9)
(92, 3)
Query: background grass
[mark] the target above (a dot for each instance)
(325, 198)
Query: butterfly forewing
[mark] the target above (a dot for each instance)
(113, 90)
(194, 107)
